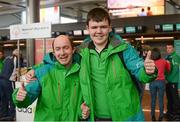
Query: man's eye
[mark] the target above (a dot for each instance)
(57, 48)
(93, 27)
(66, 47)
(104, 27)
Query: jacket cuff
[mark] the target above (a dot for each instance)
(146, 78)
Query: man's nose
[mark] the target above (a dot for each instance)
(99, 30)
(62, 52)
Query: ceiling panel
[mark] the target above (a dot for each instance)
(75, 5)
(69, 8)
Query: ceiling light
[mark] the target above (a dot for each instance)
(177, 6)
(147, 38)
(8, 45)
(78, 41)
(164, 38)
(22, 44)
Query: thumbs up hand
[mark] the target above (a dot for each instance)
(149, 64)
(21, 93)
(85, 110)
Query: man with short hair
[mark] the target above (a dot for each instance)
(7, 83)
(1, 59)
(1, 67)
(106, 84)
(57, 87)
(173, 101)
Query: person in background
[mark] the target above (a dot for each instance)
(8, 76)
(1, 67)
(1, 59)
(145, 49)
(173, 102)
(106, 84)
(149, 12)
(142, 13)
(158, 86)
(57, 86)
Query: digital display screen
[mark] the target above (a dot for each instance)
(85, 32)
(167, 27)
(141, 29)
(130, 29)
(133, 3)
(77, 32)
(119, 30)
(178, 27)
(157, 28)
(70, 33)
(130, 8)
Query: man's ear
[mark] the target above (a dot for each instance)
(74, 49)
(110, 28)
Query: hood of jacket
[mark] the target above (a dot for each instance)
(49, 58)
(116, 44)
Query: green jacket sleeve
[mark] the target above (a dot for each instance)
(135, 65)
(145, 78)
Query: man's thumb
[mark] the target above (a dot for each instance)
(148, 55)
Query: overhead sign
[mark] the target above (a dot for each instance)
(178, 27)
(130, 29)
(167, 27)
(30, 31)
(177, 46)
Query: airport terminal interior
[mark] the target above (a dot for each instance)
(142, 31)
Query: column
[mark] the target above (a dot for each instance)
(33, 13)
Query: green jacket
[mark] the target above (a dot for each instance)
(121, 92)
(1, 64)
(173, 76)
(57, 90)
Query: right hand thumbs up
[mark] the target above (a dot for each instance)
(148, 56)
(21, 95)
(85, 110)
(149, 64)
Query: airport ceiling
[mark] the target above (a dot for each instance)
(70, 7)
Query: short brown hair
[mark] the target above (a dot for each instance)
(170, 44)
(155, 54)
(98, 15)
